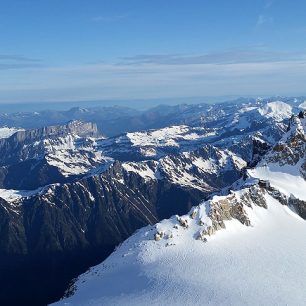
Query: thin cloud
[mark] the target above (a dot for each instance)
(8, 62)
(226, 57)
(269, 4)
(263, 19)
(151, 80)
(17, 58)
(17, 66)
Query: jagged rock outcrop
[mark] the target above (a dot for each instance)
(210, 216)
(222, 209)
(291, 149)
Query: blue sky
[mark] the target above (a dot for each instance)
(63, 50)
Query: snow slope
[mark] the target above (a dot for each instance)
(11, 195)
(276, 110)
(166, 136)
(6, 132)
(303, 105)
(264, 263)
(285, 180)
(154, 144)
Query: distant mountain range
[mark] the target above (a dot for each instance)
(73, 190)
(114, 120)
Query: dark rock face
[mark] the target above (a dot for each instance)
(112, 199)
(260, 148)
(38, 173)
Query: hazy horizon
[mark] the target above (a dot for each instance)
(112, 50)
(137, 104)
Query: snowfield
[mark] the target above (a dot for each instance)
(277, 110)
(303, 105)
(263, 264)
(6, 132)
(285, 179)
(11, 195)
(168, 136)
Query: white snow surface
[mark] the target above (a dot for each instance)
(6, 132)
(277, 110)
(286, 179)
(142, 169)
(263, 264)
(73, 155)
(303, 105)
(169, 136)
(11, 195)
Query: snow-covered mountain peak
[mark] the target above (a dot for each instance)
(71, 147)
(297, 124)
(276, 110)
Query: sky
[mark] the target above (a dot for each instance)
(78, 50)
